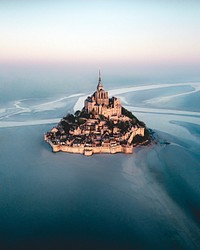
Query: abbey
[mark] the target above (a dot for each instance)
(101, 104)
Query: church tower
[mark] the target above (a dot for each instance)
(100, 103)
(101, 96)
(99, 86)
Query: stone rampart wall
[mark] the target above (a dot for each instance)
(91, 150)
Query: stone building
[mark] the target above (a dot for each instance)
(101, 104)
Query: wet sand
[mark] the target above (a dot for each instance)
(147, 200)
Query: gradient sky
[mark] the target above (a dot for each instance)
(98, 31)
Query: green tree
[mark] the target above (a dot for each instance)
(77, 113)
(84, 114)
(70, 118)
(110, 124)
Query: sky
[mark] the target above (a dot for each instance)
(129, 32)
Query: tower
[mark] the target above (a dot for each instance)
(101, 96)
(100, 85)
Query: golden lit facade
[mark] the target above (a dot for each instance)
(101, 104)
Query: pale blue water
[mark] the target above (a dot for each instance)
(148, 200)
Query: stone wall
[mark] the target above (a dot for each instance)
(91, 150)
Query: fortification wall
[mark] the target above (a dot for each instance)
(55, 148)
(128, 149)
(91, 150)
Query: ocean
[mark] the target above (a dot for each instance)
(147, 200)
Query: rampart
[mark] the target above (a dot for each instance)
(85, 150)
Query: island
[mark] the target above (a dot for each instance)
(102, 126)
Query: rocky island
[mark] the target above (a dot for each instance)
(102, 126)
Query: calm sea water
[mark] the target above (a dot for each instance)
(148, 200)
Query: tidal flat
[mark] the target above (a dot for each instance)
(147, 200)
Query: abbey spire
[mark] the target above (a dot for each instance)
(99, 86)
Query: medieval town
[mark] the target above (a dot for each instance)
(102, 126)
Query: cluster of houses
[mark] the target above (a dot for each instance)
(94, 133)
